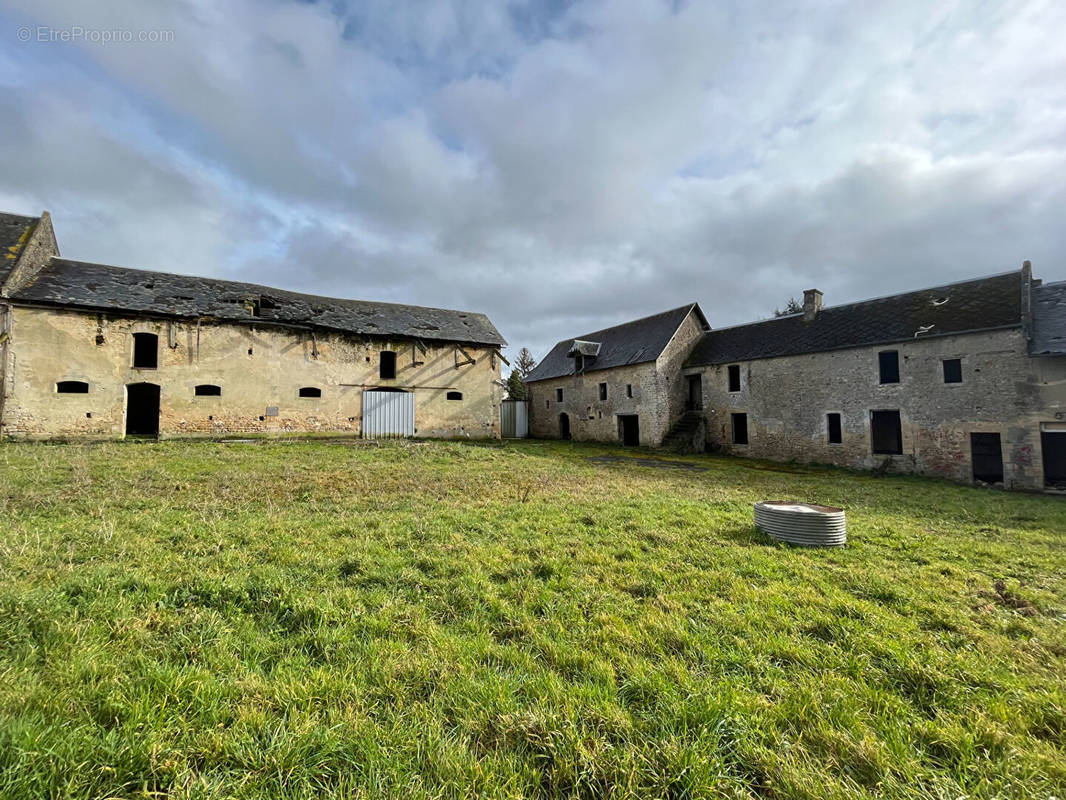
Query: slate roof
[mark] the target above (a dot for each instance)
(1049, 320)
(630, 343)
(15, 230)
(98, 287)
(974, 305)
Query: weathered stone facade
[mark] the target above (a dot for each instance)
(653, 391)
(787, 400)
(256, 367)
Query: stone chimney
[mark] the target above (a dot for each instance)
(812, 304)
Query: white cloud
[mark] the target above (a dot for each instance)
(560, 168)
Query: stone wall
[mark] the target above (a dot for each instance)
(258, 367)
(592, 419)
(787, 399)
(658, 396)
(40, 247)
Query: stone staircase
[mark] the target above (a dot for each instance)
(687, 434)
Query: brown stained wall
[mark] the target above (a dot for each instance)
(1003, 391)
(48, 346)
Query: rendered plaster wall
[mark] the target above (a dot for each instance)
(256, 367)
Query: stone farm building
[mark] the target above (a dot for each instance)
(966, 381)
(94, 351)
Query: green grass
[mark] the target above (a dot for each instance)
(322, 619)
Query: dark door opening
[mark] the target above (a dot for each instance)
(564, 426)
(886, 431)
(695, 393)
(740, 428)
(142, 409)
(629, 430)
(1053, 444)
(987, 456)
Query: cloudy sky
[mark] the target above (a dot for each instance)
(559, 166)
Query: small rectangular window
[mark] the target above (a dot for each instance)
(207, 390)
(740, 428)
(629, 390)
(886, 432)
(72, 387)
(310, 391)
(387, 365)
(952, 370)
(734, 377)
(832, 428)
(603, 391)
(558, 395)
(454, 396)
(888, 363)
(145, 351)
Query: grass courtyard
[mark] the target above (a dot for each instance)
(329, 619)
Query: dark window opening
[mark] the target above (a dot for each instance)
(454, 396)
(558, 395)
(740, 428)
(953, 370)
(310, 391)
(564, 426)
(145, 351)
(142, 409)
(734, 377)
(1053, 446)
(72, 387)
(886, 432)
(629, 390)
(888, 363)
(987, 456)
(547, 403)
(208, 390)
(603, 391)
(387, 365)
(694, 401)
(579, 362)
(832, 428)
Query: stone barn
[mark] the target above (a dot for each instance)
(96, 351)
(620, 384)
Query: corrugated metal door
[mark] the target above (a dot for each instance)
(388, 414)
(514, 419)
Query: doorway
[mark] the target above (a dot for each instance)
(1053, 443)
(987, 455)
(142, 409)
(629, 430)
(564, 426)
(695, 393)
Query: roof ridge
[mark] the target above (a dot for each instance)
(687, 307)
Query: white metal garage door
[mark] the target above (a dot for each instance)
(388, 414)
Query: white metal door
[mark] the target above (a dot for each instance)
(388, 414)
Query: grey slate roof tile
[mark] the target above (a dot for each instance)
(1049, 320)
(630, 343)
(14, 231)
(981, 304)
(100, 287)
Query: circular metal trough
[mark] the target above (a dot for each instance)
(804, 524)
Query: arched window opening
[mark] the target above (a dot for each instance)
(310, 391)
(72, 387)
(208, 390)
(455, 395)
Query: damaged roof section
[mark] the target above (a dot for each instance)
(630, 343)
(99, 287)
(1049, 320)
(976, 305)
(15, 231)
